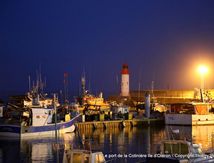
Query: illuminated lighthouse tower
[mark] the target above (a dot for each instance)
(125, 81)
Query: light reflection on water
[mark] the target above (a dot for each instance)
(109, 141)
(203, 135)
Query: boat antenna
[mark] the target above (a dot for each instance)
(29, 83)
(40, 78)
(55, 116)
(41, 83)
(83, 84)
(139, 85)
(33, 89)
(139, 89)
(45, 82)
(89, 85)
(37, 80)
(65, 87)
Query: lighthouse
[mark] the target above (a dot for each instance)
(125, 81)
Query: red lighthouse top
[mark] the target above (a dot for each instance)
(125, 69)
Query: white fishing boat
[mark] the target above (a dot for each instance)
(36, 122)
(36, 115)
(46, 129)
(189, 114)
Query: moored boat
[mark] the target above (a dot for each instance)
(20, 131)
(36, 121)
(36, 115)
(190, 114)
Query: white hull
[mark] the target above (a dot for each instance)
(15, 131)
(60, 132)
(189, 119)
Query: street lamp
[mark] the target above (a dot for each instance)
(203, 70)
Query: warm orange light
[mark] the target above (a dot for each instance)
(202, 69)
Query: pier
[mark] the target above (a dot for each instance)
(119, 124)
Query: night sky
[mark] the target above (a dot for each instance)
(161, 41)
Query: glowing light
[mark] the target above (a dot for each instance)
(202, 69)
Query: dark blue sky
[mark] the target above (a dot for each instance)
(159, 40)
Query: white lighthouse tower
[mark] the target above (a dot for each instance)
(125, 81)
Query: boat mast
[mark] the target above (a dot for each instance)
(54, 104)
(65, 87)
(29, 83)
(83, 86)
(139, 89)
(201, 93)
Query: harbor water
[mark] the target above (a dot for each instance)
(129, 144)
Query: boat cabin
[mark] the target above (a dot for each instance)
(42, 116)
(83, 156)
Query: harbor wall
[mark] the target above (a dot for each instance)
(167, 96)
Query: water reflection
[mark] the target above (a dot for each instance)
(45, 149)
(124, 141)
(37, 150)
(203, 135)
(109, 141)
(9, 151)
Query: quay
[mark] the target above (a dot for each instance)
(119, 124)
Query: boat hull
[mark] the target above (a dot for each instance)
(189, 119)
(16, 131)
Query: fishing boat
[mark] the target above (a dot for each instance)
(36, 115)
(19, 131)
(95, 103)
(37, 129)
(190, 114)
(88, 101)
(36, 121)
